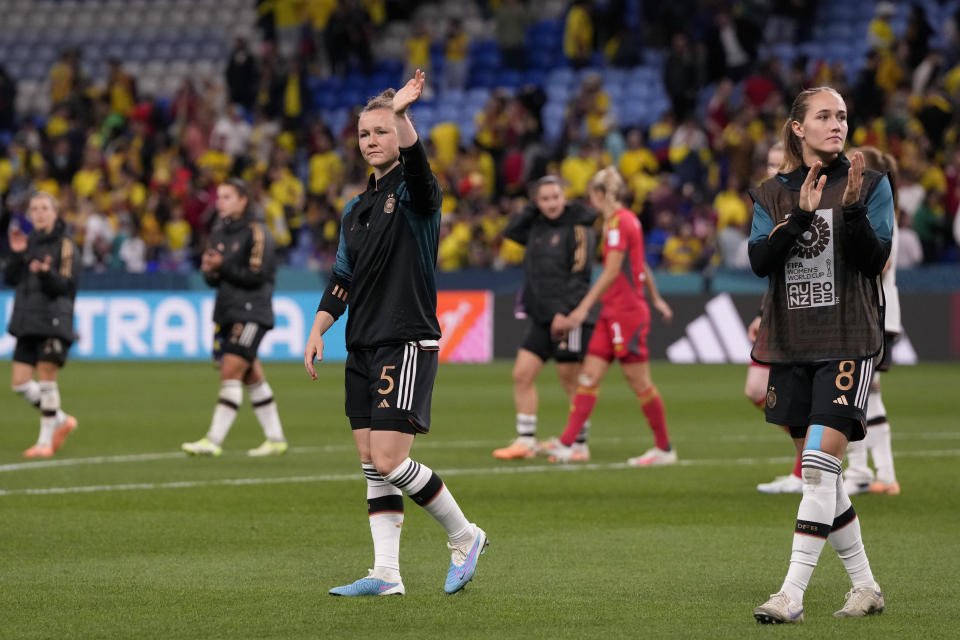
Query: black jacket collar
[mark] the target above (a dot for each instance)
(836, 170)
(393, 178)
(59, 228)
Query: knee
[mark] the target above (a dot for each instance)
(522, 377)
(587, 379)
(385, 463)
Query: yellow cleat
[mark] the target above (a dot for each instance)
(268, 448)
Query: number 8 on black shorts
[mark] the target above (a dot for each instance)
(390, 388)
(832, 393)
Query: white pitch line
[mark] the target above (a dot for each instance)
(423, 444)
(482, 471)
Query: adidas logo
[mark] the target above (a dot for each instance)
(383, 404)
(842, 400)
(715, 337)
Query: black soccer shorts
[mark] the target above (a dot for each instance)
(239, 338)
(832, 393)
(390, 388)
(571, 348)
(33, 349)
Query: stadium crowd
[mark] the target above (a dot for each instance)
(136, 175)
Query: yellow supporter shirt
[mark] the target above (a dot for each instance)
(276, 222)
(641, 184)
(319, 12)
(61, 81)
(637, 160)
(48, 185)
(377, 10)
(6, 173)
(578, 33)
(679, 255)
(177, 234)
(324, 169)
(418, 52)
(85, 182)
(511, 252)
(446, 140)
(577, 171)
(217, 162)
(731, 209)
(287, 190)
(456, 49)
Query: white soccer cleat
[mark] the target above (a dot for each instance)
(557, 452)
(654, 458)
(582, 450)
(854, 486)
(778, 610)
(782, 484)
(862, 601)
(268, 448)
(202, 447)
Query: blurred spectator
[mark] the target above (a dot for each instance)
(456, 45)
(177, 235)
(682, 75)
(97, 236)
(909, 248)
(241, 75)
(578, 33)
(880, 32)
(511, 19)
(418, 51)
(349, 37)
(682, 251)
(731, 47)
(234, 132)
(8, 99)
(122, 89)
(929, 223)
(917, 35)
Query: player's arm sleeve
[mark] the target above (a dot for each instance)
(61, 281)
(518, 228)
(770, 245)
(255, 270)
(336, 295)
(425, 192)
(870, 230)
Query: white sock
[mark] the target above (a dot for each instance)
(264, 407)
(857, 468)
(526, 425)
(49, 406)
(30, 391)
(878, 434)
(878, 441)
(846, 541)
(814, 519)
(231, 395)
(385, 508)
(427, 489)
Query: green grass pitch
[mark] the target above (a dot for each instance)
(120, 536)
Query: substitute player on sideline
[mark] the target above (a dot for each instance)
(385, 270)
(621, 331)
(240, 264)
(558, 261)
(821, 232)
(41, 267)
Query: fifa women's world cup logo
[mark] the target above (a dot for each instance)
(814, 240)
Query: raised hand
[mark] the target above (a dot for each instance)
(18, 240)
(812, 188)
(410, 92)
(854, 180)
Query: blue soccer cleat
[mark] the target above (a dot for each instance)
(463, 561)
(370, 586)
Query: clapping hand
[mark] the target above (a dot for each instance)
(854, 180)
(812, 188)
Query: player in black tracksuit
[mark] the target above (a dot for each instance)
(560, 250)
(385, 270)
(240, 265)
(42, 268)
